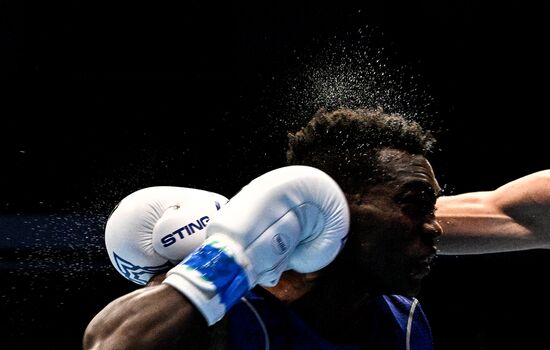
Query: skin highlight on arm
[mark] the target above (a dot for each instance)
(154, 317)
(513, 217)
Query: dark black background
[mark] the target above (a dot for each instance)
(101, 99)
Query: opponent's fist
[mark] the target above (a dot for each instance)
(295, 217)
(154, 228)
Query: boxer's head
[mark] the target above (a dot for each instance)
(380, 162)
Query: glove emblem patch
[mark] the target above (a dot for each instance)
(138, 274)
(280, 243)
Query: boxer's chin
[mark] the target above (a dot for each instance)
(414, 284)
(408, 285)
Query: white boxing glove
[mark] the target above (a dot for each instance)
(295, 217)
(154, 228)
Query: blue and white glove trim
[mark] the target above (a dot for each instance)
(214, 277)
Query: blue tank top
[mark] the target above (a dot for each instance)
(261, 321)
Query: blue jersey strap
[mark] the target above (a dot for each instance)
(396, 323)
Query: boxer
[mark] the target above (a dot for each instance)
(365, 166)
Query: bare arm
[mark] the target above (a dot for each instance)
(154, 317)
(515, 216)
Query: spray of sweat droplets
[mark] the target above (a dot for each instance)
(53, 260)
(349, 70)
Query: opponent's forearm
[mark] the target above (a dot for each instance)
(472, 224)
(156, 317)
(479, 235)
(513, 217)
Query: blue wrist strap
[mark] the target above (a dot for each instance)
(221, 269)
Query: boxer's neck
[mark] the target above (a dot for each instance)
(335, 307)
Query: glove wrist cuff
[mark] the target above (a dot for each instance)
(214, 277)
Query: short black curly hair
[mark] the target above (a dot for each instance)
(345, 143)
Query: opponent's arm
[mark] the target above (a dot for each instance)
(157, 317)
(515, 216)
(290, 218)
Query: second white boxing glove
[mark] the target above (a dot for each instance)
(154, 228)
(295, 217)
